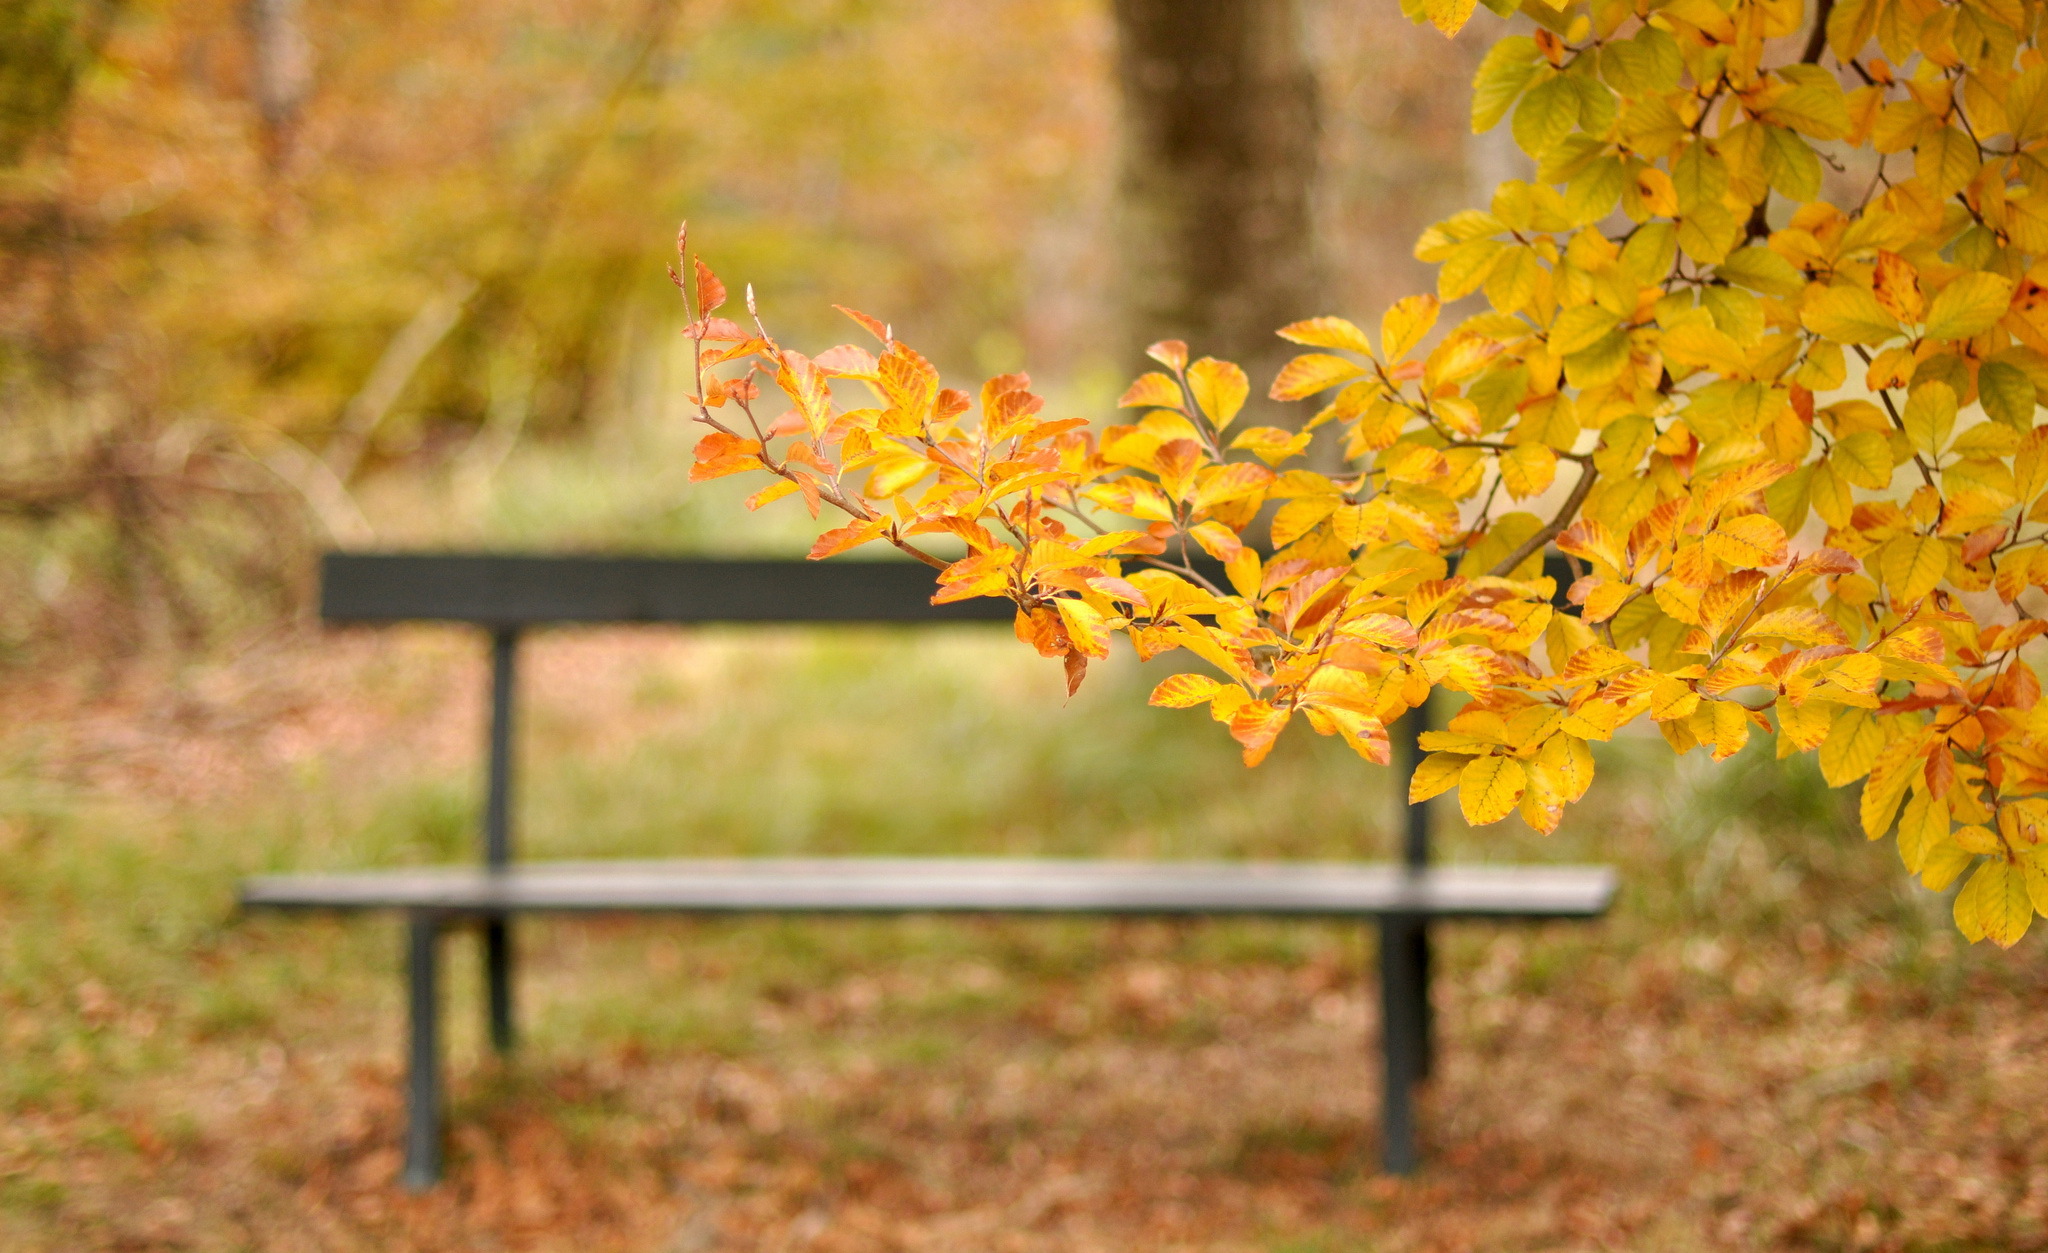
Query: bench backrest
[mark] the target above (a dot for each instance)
(511, 591)
(507, 593)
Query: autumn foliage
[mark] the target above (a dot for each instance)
(1761, 354)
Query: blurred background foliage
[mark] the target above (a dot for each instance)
(280, 275)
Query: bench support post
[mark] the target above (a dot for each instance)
(423, 1052)
(1404, 1043)
(1407, 1025)
(1415, 856)
(497, 931)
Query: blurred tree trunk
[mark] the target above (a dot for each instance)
(1221, 130)
(281, 74)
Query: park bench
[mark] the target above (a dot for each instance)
(509, 595)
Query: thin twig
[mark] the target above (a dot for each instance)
(1551, 529)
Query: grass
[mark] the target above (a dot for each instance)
(1775, 1042)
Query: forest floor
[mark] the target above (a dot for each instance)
(1775, 1042)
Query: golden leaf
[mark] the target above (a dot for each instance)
(1220, 388)
(1848, 314)
(1183, 690)
(1527, 469)
(1489, 788)
(1970, 305)
(1748, 542)
(1311, 373)
(1327, 332)
(1256, 725)
(1086, 627)
(1434, 775)
(1912, 566)
(1994, 904)
(1405, 323)
(1152, 391)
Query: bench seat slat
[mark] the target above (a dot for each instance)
(957, 885)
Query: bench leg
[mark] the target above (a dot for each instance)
(1426, 1012)
(498, 982)
(423, 1054)
(1404, 1029)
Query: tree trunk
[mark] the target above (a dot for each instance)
(281, 74)
(1221, 130)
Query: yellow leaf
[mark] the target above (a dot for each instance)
(1217, 485)
(1830, 495)
(1220, 388)
(1970, 305)
(1945, 161)
(1256, 724)
(1328, 333)
(1311, 373)
(1383, 629)
(1366, 735)
(1799, 624)
(1405, 323)
(1272, 444)
(1449, 16)
(1945, 860)
(1571, 760)
(1913, 565)
(782, 487)
(1848, 315)
(1748, 542)
(1893, 770)
(1489, 789)
(1814, 108)
(1527, 469)
(852, 535)
(1434, 775)
(1731, 728)
(1152, 391)
(1085, 625)
(1298, 517)
(1580, 328)
(1183, 690)
(1923, 826)
(1800, 727)
(1701, 346)
(2034, 868)
(1930, 416)
(1864, 458)
(1660, 197)
(1994, 904)
(1243, 569)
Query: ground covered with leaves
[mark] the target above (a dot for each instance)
(1775, 1042)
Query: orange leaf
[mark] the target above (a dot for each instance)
(1183, 690)
(1086, 628)
(1152, 391)
(852, 535)
(1748, 542)
(710, 292)
(873, 326)
(1171, 353)
(1256, 724)
(1311, 373)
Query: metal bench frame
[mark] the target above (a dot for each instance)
(508, 595)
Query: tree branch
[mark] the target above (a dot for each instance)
(1551, 529)
(1817, 39)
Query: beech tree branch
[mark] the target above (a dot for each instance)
(1817, 39)
(1551, 529)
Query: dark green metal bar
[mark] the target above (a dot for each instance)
(423, 1053)
(497, 931)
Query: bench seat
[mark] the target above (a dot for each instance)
(896, 885)
(511, 594)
